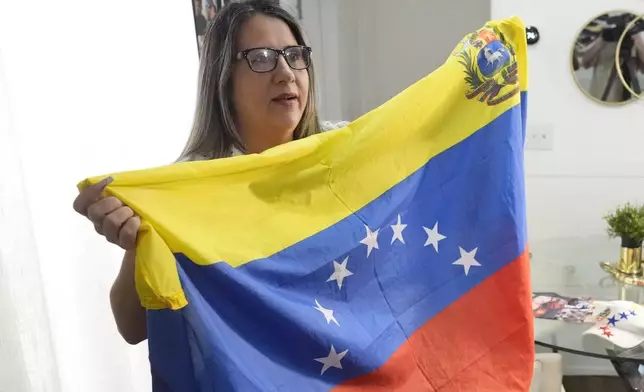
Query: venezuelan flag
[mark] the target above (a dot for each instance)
(390, 255)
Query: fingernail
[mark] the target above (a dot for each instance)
(103, 183)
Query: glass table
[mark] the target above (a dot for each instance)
(586, 280)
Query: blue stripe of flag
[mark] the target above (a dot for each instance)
(255, 328)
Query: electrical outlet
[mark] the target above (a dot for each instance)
(540, 137)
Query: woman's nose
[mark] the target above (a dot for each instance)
(283, 72)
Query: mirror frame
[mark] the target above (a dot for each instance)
(620, 74)
(572, 61)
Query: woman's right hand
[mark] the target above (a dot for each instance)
(111, 218)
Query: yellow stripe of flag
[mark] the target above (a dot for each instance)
(235, 210)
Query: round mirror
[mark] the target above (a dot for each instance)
(630, 57)
(593, 58)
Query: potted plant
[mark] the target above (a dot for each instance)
(627, 223)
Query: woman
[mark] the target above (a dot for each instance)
(256, 91)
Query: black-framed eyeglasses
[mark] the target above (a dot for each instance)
(265, 59)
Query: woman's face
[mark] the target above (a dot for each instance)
(268, 106)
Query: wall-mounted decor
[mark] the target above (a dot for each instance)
(629, 59)
(532, 35)
(205, 11)
(593, 59)
(299, 10)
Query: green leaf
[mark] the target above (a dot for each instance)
(626, 221)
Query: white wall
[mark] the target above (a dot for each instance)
(367, 51)
(596, 162)
(95, 87)
(320, 22)
(385, 46)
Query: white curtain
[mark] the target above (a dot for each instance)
(92, 88)
(56, 331)
(27, 361)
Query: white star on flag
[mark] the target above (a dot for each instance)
(332, 360)
(433, 236)
(467, 259)
(328, 313)
(371, 240)
(398, 229)
(340, 272)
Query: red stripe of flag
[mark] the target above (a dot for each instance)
(482, 342)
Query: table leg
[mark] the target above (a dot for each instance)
(628, 372)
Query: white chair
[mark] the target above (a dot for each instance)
(547, 373)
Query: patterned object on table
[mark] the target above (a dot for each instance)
(623, 326)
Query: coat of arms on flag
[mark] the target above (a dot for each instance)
(490, 64)
(389, 255)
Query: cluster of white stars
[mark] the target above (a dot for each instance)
(340, 272)
(467, 259)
